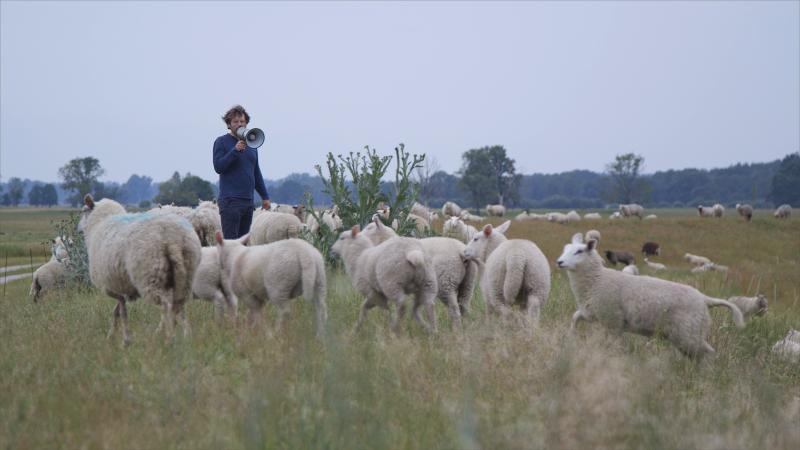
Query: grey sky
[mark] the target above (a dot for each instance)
(142, 85)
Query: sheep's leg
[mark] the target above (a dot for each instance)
(368, 304)
(282, 305)
(168, 319)
(321, 311)
(123, 313)
(453, 308)
(180, 313)
(219, 307)
(397, 315)
(577, 317)
(114, 320)
(533, 309)
(417, 304)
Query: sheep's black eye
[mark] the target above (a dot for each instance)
(579, 252)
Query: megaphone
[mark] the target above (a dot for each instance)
(253, 137)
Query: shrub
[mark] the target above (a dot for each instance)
(78, 264)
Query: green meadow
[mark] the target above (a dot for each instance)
(489, 385)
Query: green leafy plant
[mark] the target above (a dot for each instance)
(78, 263)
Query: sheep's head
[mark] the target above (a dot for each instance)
(576, 253)
(377, 232)
(483, 243)
(352, 239)
(761, 304)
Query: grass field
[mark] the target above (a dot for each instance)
(489, 386)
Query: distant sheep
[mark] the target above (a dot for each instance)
(696, 260)
(296, 210)
(650, 217)
(631, 210)
(783, 212)
(615, 215)
(573, 216)
(630, 269)
(593, 234)
(709, 266)
(421, 210)
(52, 275)
(592, 216)
(557, 217)
(467, 217)
(651, 249)
(330, 218)
(271, 226)
(495, 210)
(745, 211)
(719, 210)
(615, 257)
(654, 266)
(450, 209)
(705, 211)
(788, 348)
(457, 229)
(642, 304)
(751, 306)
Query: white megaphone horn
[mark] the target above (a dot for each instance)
(253, 137)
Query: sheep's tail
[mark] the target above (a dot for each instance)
(738, 319)
(417, 259)
(515, 275)
(177, 262)
(35, 289)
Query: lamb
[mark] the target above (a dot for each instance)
(615, 215)
(206, 222)
(709, 266)
(513, 271)
(705, 211)
(573, 216)
(642, 305)
(651, 248)
(467, 217)
(696, 260)
(631, 210)
(450, 209)
(719, 210)
(650, 217)
(421, 225)
(751, 306)
(593, 234)
(386, 273)
(783, 212)
(557, 217)
(619, 256)
(495, 210)
(456, 228)
(208, 285)
(330, 218)
(422, 211)
(296, 210)
(276, 272)
(455, 276)
(592, 216)
(745, 211)
(788, 348)
(631, 269)
(654, 266)
(273, 226)
(140, 255)
(52, 274)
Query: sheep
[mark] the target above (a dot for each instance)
(456, 228)
(705, 211)
(750, 306)
(467, 217)
(420, 223)
(450, 209)
(573, 216)
(631, 210)
(642, 305)
(273, 226)
(557, 217)
(788, 348)
(631, 269)
(654, 266)
(513, 271)
(745, 211)
(592, 216)
(205, 218)
(422, 211)
(386, 273)
(593, 234)
(455, 275)
(783, 212)
(615, 215)
(296, 210)
(276, 272)
(140, 255)
(330, 218)
(650, 217)
(696, 260)
(207, 283)
(495, 210)
(709, 266)
(651, 248)
(526, 215)
(48, 277)
(719, 210)
(619, 256)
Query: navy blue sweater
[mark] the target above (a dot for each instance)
(238, 171)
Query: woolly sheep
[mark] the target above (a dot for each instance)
(783, 212)
(654, 266)
(48, 277)
(619, 256)
(593, 234)
(205, 218)
(651, 248)
(557, 217)
(450, 209)
(630, 269)
(296, 210)
(719, 210)
(207, 283)
(513, 271)
(276, 272)
(788, 348)
(650, 217)
(455, 276)
(631, 210)
(642, 305)
(709, 266)
(456, 228)
(495, 210)
(705, 211)
(526, 215)
(386, 273)
(422, 211)
(696, 260)
(615, 215)
(330, 217)
(140, 255)
(273, 226)
(745, 211)
(592, 216)
(750, 306)
(467, 217)
(421, 225)
(573, 216)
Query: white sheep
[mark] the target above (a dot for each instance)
(650, 217)
(207, 284)
(719, 210)
(514, 271)
(750, 306)
(386, 273)
(422, 211)
(467, 217)
(330, 218)
(745, 211)
(696, 260)
(275, 272)
(205, 218)
(495, 210)
(573, 216)
(421, 225)
(273, 226)
(615, 215)
(642, 305)
(296, 210)
(709, 266)
(455, 275)
(631, 269)
(450, 209)
(783, 212)
(652, 265)
(140, 255)
(631, 210)
(457, 229)
(48, 277)
(593, 234)
(705, 211)
(592, 216)
(788, 348)
(557, 217)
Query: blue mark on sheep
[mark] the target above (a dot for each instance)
(130, 218)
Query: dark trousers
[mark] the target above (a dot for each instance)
(236, 215)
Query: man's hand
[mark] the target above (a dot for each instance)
(240, 146)
(265, 205)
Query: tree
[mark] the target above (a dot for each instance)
(49, 195)
(487, 173)
(136, 189)
(80, 175)
(184, 192)
(786, 182)
(15, 192)
(424, 177)
(627, 185)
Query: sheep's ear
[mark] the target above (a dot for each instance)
(88, 201)
(218, 238)
(504, 227)
(591, 245)
(355, 230)
(244, 239)
(377, 220)
(487, 230)
(577, 238)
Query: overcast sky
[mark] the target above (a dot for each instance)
(142, 85)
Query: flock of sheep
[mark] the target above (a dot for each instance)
(169, 255)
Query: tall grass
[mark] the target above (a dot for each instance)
(63, 385)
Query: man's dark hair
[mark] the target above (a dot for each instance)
(236, 110)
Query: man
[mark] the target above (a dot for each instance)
(239, 174)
